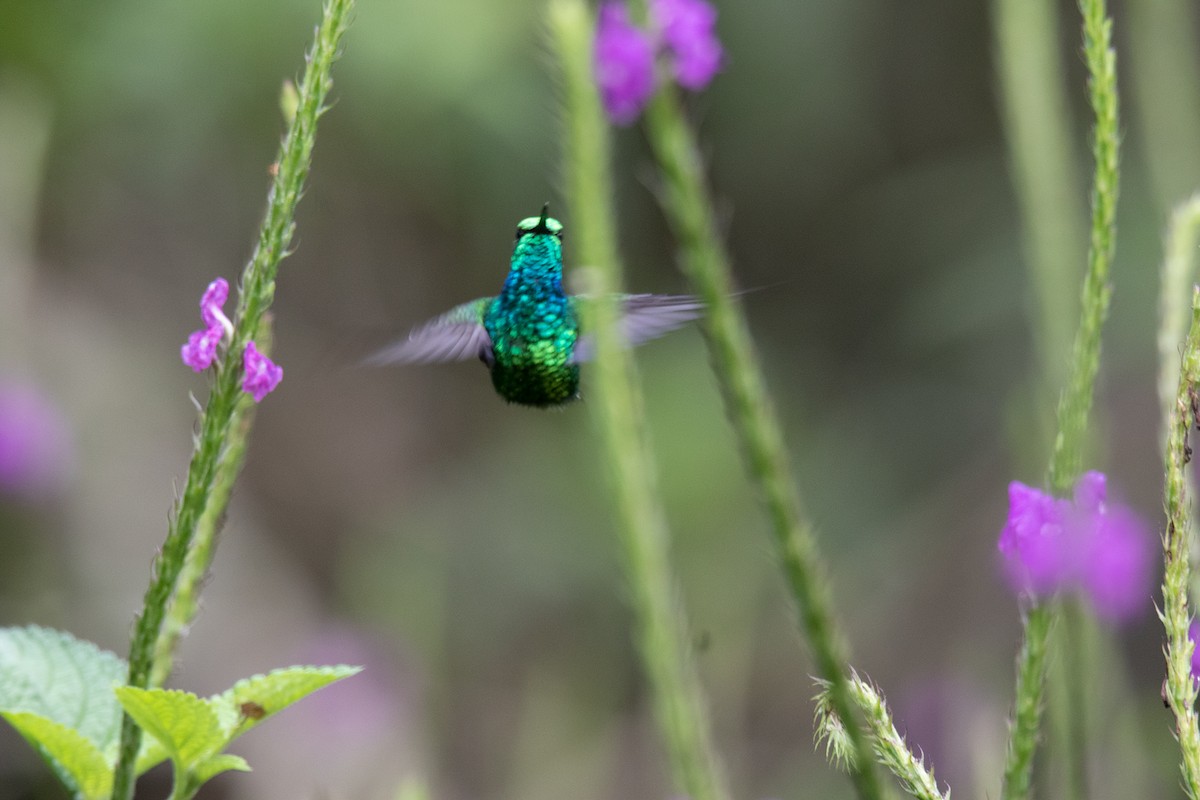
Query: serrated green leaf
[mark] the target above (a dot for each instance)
(250, 701)
(217, 764)
(184, 724)
(75, 759)
(54, 675)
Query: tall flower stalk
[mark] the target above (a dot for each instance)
(1176, 614)
(662, 640)
(1075, 403)
(218, 419)
(685, 201)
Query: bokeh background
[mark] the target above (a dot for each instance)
(464, 550)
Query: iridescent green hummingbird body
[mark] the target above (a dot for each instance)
(529, 335)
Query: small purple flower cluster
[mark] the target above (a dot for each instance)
(624, 56)
(1104, 549)
(260, 374)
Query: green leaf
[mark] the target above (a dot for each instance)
(217, 764)
(63, 679)
(185, 725)
(250, 701)
(75, 759)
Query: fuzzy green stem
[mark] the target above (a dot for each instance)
(1075, 404)
(1178, 272)
(1076, 401)
(888, 745)
(1023, 733)
(185, 603)
(661, 624)
(218, 419)
(1038, 130)
(685, 201)
(1078, 681)
(1176, 615)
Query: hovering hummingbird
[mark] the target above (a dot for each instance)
(529, 336)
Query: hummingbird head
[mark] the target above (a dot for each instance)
(541, 224)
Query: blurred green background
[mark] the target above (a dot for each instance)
(464, 550)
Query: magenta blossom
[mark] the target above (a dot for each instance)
(688, 30)
(624, 64)
(624, 56)
(261, 374)
(1049, 544)
(1032, 540)
(201, 348)
(211, 304)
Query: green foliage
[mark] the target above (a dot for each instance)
(75, 759)
(193, 731)
(65, 696)
(258, 697)
(207, 484)
(52, 674)
(57, 692)
(185, 725)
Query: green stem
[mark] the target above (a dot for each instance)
(889, 746)
(1176, 615)
(1031, 670)
(1075, 404)
(661, 624)
(217, 420)
(1076, 401)
(1178, 271)
(685, 201)
(1075, 651)
(185, 603)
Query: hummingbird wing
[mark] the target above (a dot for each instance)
(456, 335)
(643, 317)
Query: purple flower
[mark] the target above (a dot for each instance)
(1032, 541)
(1116, 568)
(201, 348)
(688, 30)
(1050, 544)
(35, 447)
(623, 63)
(212, 302)
(261, 374)
(683, 30)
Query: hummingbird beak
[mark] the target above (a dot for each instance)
(542, 219)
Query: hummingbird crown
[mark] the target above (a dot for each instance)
(541, 224)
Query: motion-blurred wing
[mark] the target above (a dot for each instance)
(457, 335)
(647, 316)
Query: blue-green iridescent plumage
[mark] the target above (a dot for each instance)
(532, 324)
(529, 335)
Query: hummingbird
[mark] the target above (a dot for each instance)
(529, 335)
